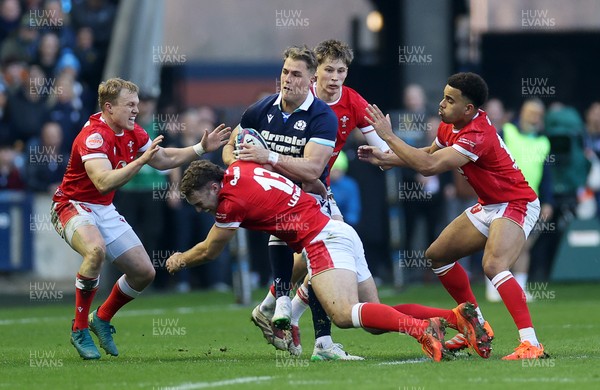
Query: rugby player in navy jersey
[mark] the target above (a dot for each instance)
(301, 132)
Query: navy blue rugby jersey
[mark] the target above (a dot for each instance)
(287, 134)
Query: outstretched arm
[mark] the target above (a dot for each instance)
(203, 252)
(427, 162)
(168, 158)
(388, 159)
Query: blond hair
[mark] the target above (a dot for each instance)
(109, 90)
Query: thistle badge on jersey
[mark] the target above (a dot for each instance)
(300, 125)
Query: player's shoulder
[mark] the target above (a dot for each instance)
(95, 133)
(482, 123)
(353, 98)
(139, 132)
(351, 93)
(444, 128)
(96, 124)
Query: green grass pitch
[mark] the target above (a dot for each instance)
(202, 340)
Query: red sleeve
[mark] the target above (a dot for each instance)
(94, 145)
(142, 138)
(440, 139)
(471, 143)
(360, 106)
(229, 214)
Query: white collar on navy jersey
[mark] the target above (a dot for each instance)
(304, 106)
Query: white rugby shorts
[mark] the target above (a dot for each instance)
(337, 246)
(523, 213)
(70, 215)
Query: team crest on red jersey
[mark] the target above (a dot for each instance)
(344, 119)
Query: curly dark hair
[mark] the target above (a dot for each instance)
(199, 174)
(334, 50)
(471, 85)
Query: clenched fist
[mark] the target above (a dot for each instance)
(175, 263)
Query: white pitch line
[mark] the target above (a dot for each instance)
(226, 382)
(410, 361)
(127, 313)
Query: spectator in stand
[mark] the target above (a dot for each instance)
(413, 117)
(46, 162)
(565, 129)
(496, 112)
(14, 72)
(89, 59)
(21, 45)
(10, 177)
(6, 136)
(27, 107)
(423, 200)
(48, 53)
(592, 144)
(32, 5)
(58, 22)
(99, 15)
(66, 108)
(10, 13)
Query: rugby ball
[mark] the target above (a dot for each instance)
(251, 137)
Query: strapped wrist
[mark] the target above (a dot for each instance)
(198, 149)
(273, 158)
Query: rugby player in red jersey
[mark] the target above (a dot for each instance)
(498, 224)
(249, 196)
(108, 151)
